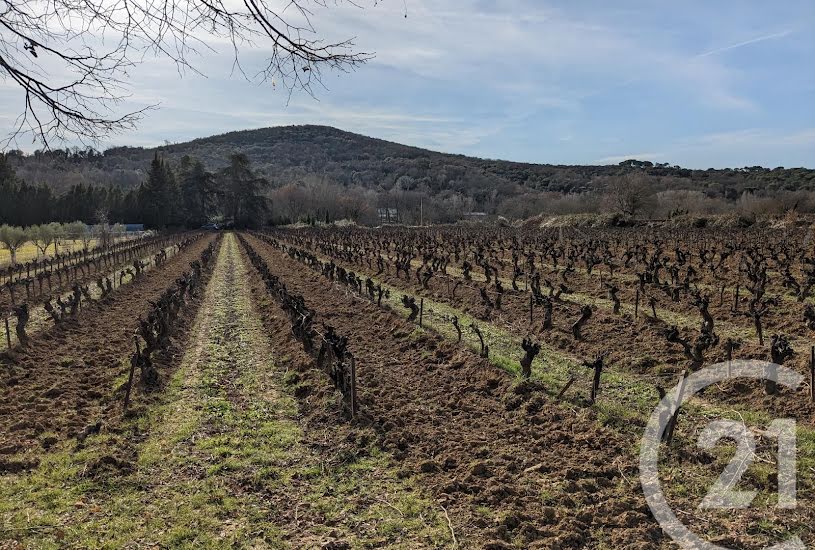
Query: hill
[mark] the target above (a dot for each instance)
(289, 152)
(286, 153)
(382, 173)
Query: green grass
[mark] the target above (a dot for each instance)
(625, 401)
(217, 461)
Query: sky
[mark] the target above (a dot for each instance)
(696, 83)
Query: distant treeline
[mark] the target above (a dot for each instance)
(317, 174)
(188, 195)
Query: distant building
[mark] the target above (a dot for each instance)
(134, 227)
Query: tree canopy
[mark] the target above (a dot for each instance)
(188, 195)
(312, 173)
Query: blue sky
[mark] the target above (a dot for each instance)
(697, 83)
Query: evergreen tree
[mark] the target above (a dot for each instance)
(8, 190)
(199, 193)
(159, 197)
(192, 198)
(243, 202)
(128, 211)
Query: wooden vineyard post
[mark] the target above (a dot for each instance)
(531, 306)
(8, 331)
(637, 304)
(133, 362)
(566, 387)
(736, 300)
(353, 367)
(812, 373)
(729, 347)
(680, 392)
(421, 311)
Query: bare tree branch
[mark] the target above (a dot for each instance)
(100, 40)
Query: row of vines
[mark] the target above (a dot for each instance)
(123, 262)
(153, 335)
(329, 349)
(659, 302)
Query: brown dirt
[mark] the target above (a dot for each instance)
(86, 277)
(62, 385)
(632, 343)
(512, 468)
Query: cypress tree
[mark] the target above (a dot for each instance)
(159, 198)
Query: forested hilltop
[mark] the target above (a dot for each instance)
(317, 172)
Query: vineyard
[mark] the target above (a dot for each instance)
(440, 387)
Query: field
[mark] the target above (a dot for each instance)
(30, 251)
(440, 387)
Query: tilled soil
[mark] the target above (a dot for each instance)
(633, 345)
(219, 458)
(67, 382)
(86, 276)
(310, 510)
(39, 319)
(511, 468)
(506, 465)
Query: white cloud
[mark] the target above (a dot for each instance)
(756, 137)
(743, 43)
(462, 76)
(749, 146)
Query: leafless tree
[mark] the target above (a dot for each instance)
(99, 41)
(630, 193)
